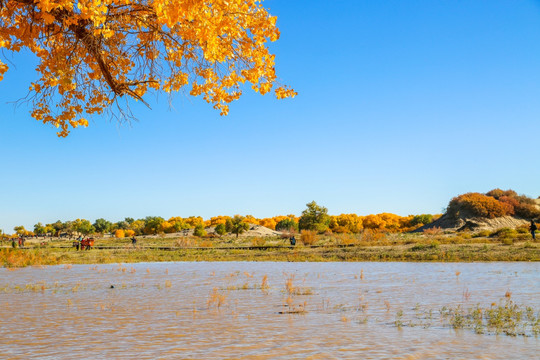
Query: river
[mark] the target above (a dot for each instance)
(265, 310)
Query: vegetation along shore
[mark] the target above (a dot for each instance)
(476, 227)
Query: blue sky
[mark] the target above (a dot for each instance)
(402, 105)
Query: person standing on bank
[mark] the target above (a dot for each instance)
(293, 241)
(533, 228)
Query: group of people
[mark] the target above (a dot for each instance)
(20, 241)
(80, 245)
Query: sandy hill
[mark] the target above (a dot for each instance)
(447, 222)
(468, 221)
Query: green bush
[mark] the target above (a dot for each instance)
(423, 219)
(420, 247)
(199, 231)
(506, 233)
(220, 229)
(483, 233)
(287, 225)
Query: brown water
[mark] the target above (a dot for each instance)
(170, 311)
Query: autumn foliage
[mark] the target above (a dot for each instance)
(94, 55)
(492, 204)
(476, 204)
(495, 203)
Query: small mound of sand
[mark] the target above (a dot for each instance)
(259, 230)
(254, 230)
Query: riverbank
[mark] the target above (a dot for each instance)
(398, 247)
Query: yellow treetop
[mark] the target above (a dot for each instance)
(94, 53)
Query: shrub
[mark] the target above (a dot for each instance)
(423, 219)
(523, 229)
(346, 239)
(373, 236)
(476, 204)
(184, 242)
(220, 229)
(483, 233)
(506, 233)
(498, 193)
(346, 223)
(511, 204)
(206, 244)
(458, 239)
(519, 205)
(308, 237)
(258, 241)
(436, 230)
(495, 193)
(287, 225)
(527, 211)
(420, 247)
(119, 233)
(199, 231)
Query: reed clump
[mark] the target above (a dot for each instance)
(216, 298)
(291, 291)
(505, 317)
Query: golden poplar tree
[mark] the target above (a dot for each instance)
(95, 55)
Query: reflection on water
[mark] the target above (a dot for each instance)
(246, 310)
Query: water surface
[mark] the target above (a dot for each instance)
(217, 310)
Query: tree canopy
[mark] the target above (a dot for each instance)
(237, 225)
(314, 217)
(95, 55)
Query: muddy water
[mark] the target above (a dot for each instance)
(215, 310)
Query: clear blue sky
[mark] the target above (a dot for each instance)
(402, 105)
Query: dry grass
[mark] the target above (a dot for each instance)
(433, 231)
(371, 246)
(258, 241)
(370, 237)
(12, 258)
(346, 239)
(184, 242)
(206, 244)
